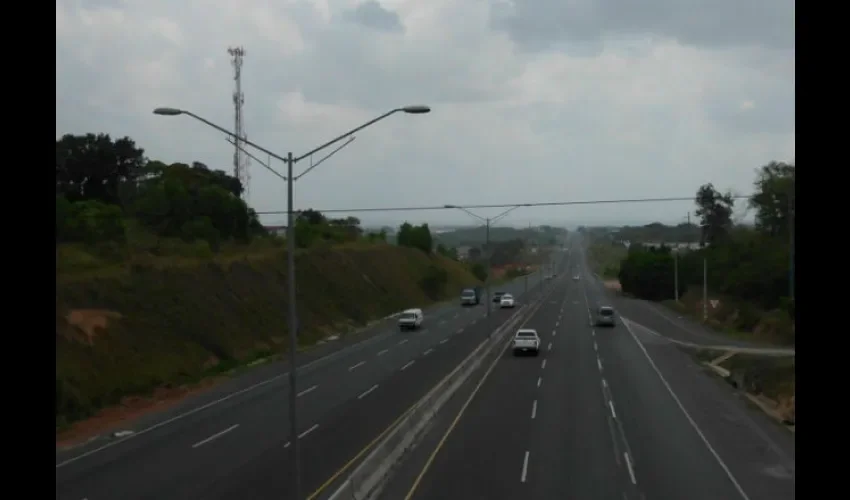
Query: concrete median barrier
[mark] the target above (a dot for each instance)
(367, 479)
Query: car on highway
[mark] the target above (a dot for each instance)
(470, 296)
(497, 297)
(605, 316)
(576, 277)
(507, 301)
(410, 319)
(526, 341)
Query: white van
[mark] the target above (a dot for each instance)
(411, 319)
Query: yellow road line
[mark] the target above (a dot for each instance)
(457, 418)
(369, 446)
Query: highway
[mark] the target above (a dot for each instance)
(232, 442)
(602, 413)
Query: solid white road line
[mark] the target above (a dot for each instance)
(688, 416)
(368, 392)
(631, 469)
(308, 431)
(307, 391)
(524, 468)
(215, 436)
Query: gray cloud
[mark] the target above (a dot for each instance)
(372, 15)
(537, 24)
(605, 116)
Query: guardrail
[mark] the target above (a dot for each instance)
(366, 479)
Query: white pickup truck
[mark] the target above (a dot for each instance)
(526, 340)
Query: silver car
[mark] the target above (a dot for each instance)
(605, 316)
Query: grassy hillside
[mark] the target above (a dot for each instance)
(129, 329)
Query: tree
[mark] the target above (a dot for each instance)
(94, 167)
(715, 212)
(773, 198)
(191, 203)
(89, 221)
(415, 237)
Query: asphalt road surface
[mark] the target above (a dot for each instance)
(232, 443)
(602, 413)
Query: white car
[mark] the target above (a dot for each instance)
(410, 319)
(526, 341)
(576, 277)
(507, 300)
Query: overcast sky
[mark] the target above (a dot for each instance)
(533, 100)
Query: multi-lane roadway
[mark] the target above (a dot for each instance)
(602, 413)
(232, 442)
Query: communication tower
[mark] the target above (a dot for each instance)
(240, 159)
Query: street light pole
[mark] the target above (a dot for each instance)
(489, 263)
(487, 222)
(290, 160)
(293, 324)
(791, 245)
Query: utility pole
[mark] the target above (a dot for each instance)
(704, 288)
(676, 274)
(527, 259)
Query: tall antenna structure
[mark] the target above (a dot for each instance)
(240, 159)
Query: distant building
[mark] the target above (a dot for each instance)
(277, 230)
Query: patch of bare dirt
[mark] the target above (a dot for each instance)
(613, 285)
(111, 419)
(90, 322)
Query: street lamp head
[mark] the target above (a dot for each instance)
(168, 111)
(416, 110)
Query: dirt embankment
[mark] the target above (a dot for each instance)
(126, 333)
(737, 318)
(770, 382)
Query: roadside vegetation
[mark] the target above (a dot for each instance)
(748, 266)
(165, 276)
(605, 258)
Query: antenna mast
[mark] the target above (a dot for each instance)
(240, 159)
